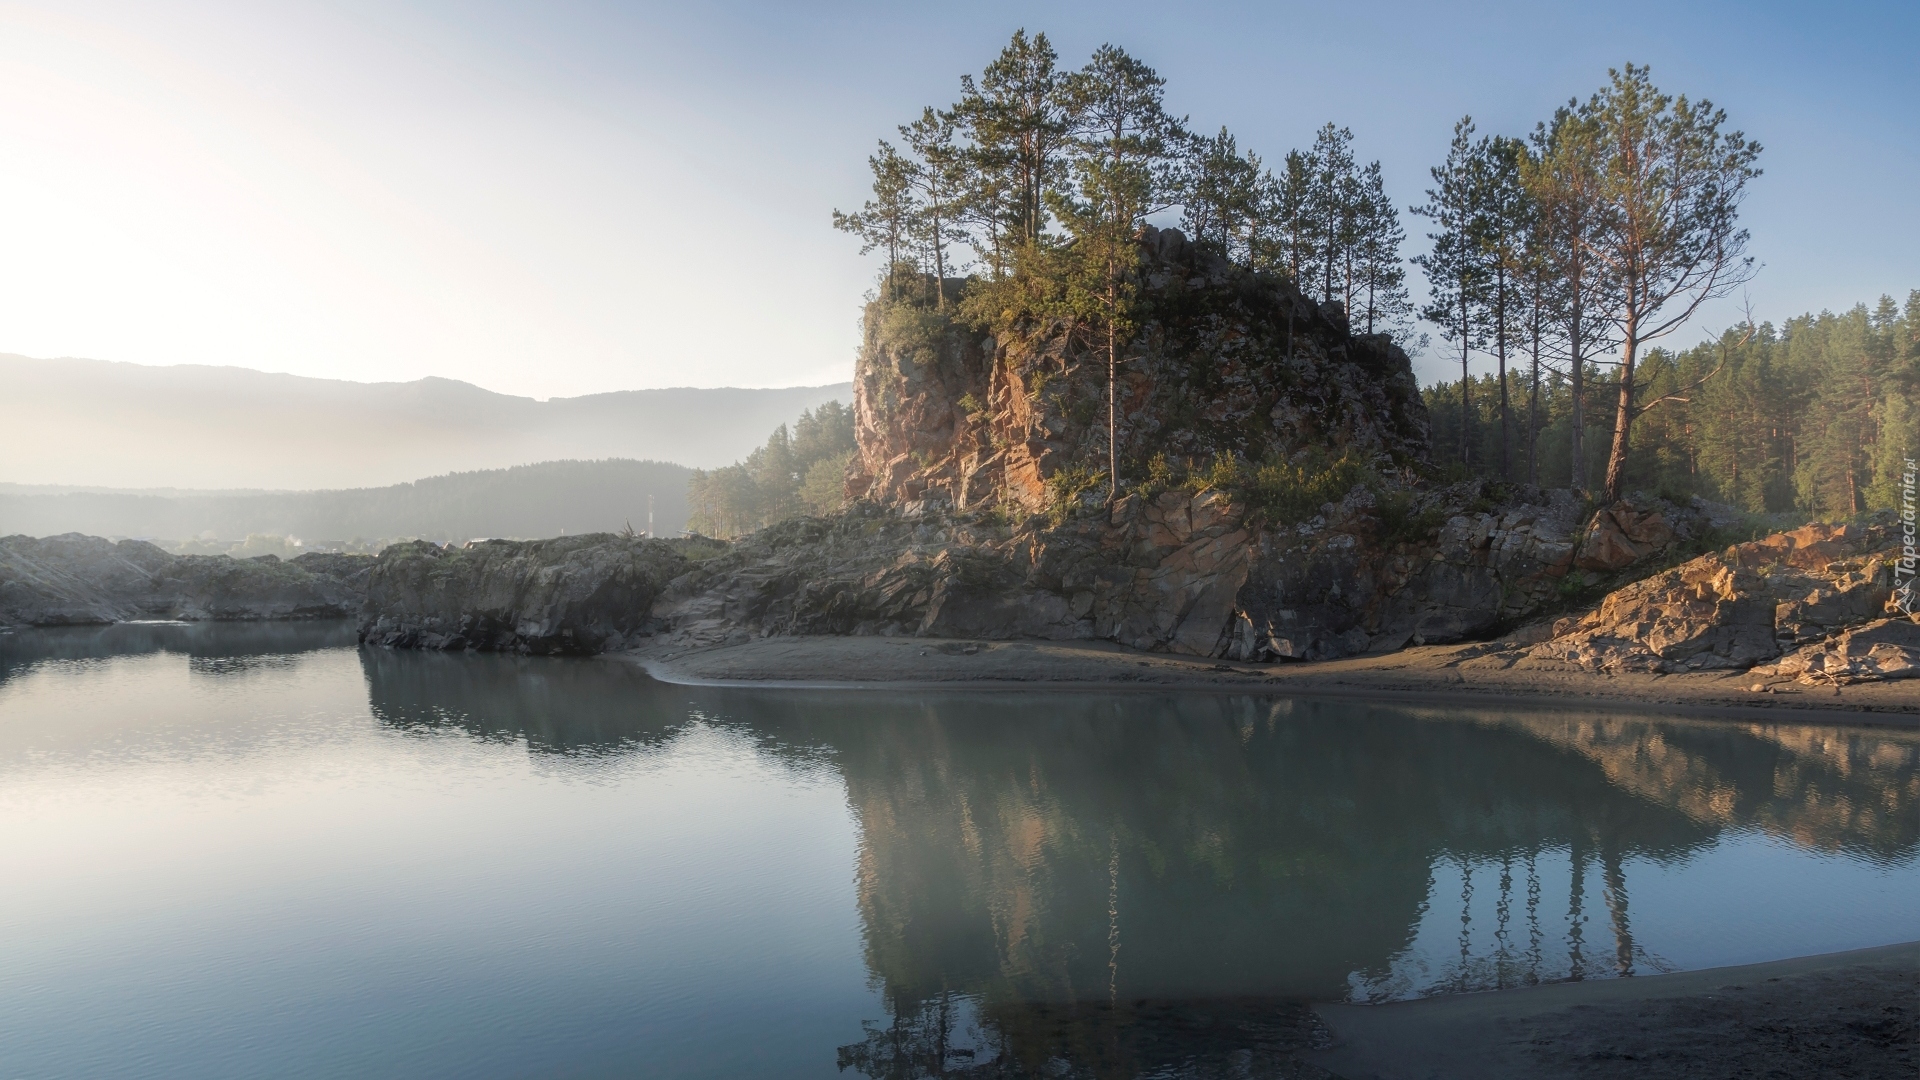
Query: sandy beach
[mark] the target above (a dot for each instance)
(1458, 674)
(1842, 1015)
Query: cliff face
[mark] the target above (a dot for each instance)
(1224, 361)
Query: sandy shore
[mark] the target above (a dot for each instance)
(1850, 1014)
(1462, 674)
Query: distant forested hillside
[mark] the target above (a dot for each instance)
(101, 424)
(1814, 415)
(541, 500)
(798, 471)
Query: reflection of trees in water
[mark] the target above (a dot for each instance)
(1066, 861)
(212, 648)
(577, 706)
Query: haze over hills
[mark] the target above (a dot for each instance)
(546, 499)
(102, 424)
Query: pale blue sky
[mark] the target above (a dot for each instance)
(556, 199)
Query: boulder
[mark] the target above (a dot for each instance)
(1621, 535)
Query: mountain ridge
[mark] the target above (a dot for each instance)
(78, 422)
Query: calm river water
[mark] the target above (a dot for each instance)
(258, 851)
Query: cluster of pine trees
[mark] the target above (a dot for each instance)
(1040, 172)
(802, 471)
(1578, 246)
(1816, 415)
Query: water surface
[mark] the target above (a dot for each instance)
(244, 851)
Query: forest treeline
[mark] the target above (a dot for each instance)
(1816, 415)
(798, 471)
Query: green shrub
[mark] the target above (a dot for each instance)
(1286, 492)
(1065, 487)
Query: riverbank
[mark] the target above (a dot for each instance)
(1850, 1014)
(1481, 673)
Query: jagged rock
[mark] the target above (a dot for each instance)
(575, 594)
(1735, 608)
(1884, 649)
(76, 579)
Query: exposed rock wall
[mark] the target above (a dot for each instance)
(1178, 572)
(75, 579)
(1225, 361)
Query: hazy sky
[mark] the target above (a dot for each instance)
(557, 199)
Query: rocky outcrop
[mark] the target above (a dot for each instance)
(1736, 608)
(74, 579)
(1174, 571)
(1224, 361)
(1882, 649)
(575, 594)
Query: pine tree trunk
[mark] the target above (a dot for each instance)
(1623, 412)
(1533, 395)
(1113, 412)
(1466, 385)
(1500, 338)
(1577, 448)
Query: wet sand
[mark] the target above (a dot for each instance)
(1441, 674)
(1842, 1015)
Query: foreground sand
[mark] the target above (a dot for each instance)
(1462, 674)
(1849, 1014)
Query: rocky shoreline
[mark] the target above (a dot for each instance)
(1181, 577)
(72, 580)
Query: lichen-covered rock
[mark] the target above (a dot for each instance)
(1735, 608)
(1225, 361)
(76, 579)
(575, 594)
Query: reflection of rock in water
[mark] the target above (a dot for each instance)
(1079, 870)
(552, 704)
(213, 648)
(1828, 788)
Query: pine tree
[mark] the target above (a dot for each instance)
(1125, 160)
(1381, 273)
(1504, 223)
(1456, 267)
(1332, 209)
(937, 179)
(887, 219)
(1017, 121)
(1222, 196)
(1562, 176)
(1671, 185)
